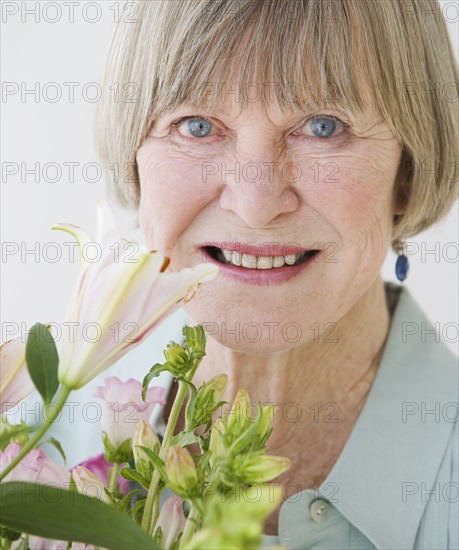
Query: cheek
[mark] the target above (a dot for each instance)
(172, 195)
(358, 202)
(358, 199)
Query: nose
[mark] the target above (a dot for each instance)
(258, 188)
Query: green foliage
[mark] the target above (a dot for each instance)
(117, 455)
(42, 361)
(235, 521)
(10, 432)
(133, 475)
(51, 512)
(231, 457)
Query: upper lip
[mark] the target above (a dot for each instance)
(266, 249)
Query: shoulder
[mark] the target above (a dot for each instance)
(439, 520)
(429, 372)
(415, 343)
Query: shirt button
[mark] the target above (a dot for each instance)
(319, 510)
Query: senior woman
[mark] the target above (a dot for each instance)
(292, 143)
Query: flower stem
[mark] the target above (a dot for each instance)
(113, 476)
(50, 417)
(190, 526)
(151, 512)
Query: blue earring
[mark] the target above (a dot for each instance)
(402, 266)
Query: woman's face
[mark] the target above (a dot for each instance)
(274, 179)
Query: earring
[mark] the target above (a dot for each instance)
(401, 265)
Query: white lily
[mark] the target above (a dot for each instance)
(15, 381)
(123, 296)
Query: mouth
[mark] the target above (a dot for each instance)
(266, 262)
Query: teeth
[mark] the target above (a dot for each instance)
(237, 258)
(278, 261)
(259, 262)
(249, 261)
(228, 255)
(264, 262)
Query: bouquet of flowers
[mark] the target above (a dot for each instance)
(214, 471)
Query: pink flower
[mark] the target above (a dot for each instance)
(75, 546)
(101, 468)
(88, 484)
(37, 543)
(35, 467)
(15, 381)
(171, 519)
(124, 407)
(122, 296)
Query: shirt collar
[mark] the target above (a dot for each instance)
(392, 443)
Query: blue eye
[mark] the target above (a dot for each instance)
(323, 127)
(198, 127)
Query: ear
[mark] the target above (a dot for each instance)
(401, 199)
(403, 181)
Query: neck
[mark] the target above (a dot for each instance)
(336, 366)
(317, 389)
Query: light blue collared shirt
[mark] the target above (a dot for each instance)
(395, 485)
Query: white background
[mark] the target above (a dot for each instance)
(36, 289)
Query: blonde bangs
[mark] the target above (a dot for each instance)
(308, 62)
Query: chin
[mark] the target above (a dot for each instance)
(255, 328)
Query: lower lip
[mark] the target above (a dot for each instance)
(260, 277)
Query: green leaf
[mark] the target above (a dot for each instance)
(155, 370)
(14, 433)
(176, 544)
(185, 438)
(58, 514)
(56, 444)
(133, 475)
(157, 462)
(118, 455)
(73, 486)
(137, 507)
(158, 537)
(125, 501)
(42, 361)
(190, 407)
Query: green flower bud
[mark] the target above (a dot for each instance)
(181, 470)
(208, 400)
(177, 357)
(230, 521)
(144, 436)
(217, 446)
(254, 468)
(195, 340)
(238, 419)
(264, 428)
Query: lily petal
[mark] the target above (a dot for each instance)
(15, 381)
(124, 296)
